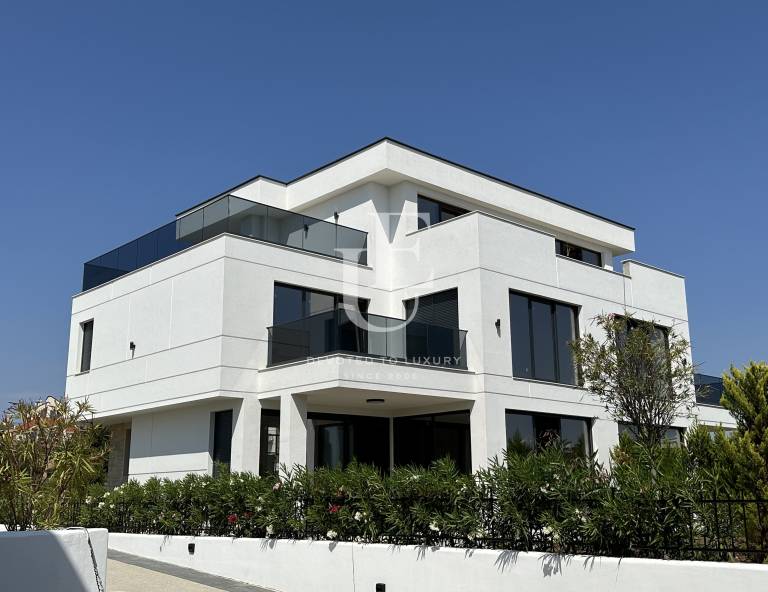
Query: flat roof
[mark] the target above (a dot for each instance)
(420, 151)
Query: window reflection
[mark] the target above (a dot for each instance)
(542, 332)
(529, 431)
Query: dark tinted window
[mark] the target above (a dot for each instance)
(542, 324)
(579, 253)
(87, 346)
(541, 332)
(222, 439)
(432, 211)
(269, 448)
(340, 439)
(659, 336)
(292, 303)
(288, 304)
(520, 433)
(423, 439)
(709, 389)
(526, 431)
(126, 455)
(672, 436)
(520, 322)
(565, 320)
(429, 212)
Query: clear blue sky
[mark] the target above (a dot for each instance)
(114, 116)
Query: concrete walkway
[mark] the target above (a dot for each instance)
(128, 573)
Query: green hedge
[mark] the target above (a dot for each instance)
(547, 501)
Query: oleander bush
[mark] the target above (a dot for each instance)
(549, 500)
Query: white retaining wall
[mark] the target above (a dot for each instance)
(57, 560)
(320, 566)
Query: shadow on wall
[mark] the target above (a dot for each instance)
(57, 560)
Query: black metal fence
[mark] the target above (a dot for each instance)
(703, 529)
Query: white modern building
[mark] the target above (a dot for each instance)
(390, 306)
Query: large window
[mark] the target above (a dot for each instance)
(432, 211)
(660, 334)
(292, 303)
(422, 439)
(86, 345)
(542, 331)
(672, 436)
(579, 253)
(527, 431)
(269, 446)
(340, 439)
(307, 323)
(221, 452)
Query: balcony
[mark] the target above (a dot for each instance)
(379, 337)
(232, 215)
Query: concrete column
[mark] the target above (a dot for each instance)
(246, 435)
(293, 430)
(605, 435)
(487, 428)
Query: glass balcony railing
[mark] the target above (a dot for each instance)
(232, 215)
(380, 337)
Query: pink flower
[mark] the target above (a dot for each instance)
(333, 508)
(232, 518)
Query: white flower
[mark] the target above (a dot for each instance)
(415, 477)
(276, 486)
(101, 504)
(111, 506)
(106, 494)
(258, 509)
(89, 500)
(546, 531)
(331, 534)
(270, 530)
(433, 527)
(358, 516)
(477, 534)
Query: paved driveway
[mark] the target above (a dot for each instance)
(128, 573)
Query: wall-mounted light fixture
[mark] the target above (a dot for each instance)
(132, 346)
(498, 324)
(336, 217)
(375, 401)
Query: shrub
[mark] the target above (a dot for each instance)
(49, 454)
(548, 500)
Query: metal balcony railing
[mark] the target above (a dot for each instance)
(233, 215)
(377, 336)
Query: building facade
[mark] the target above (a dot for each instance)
(391, 307)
